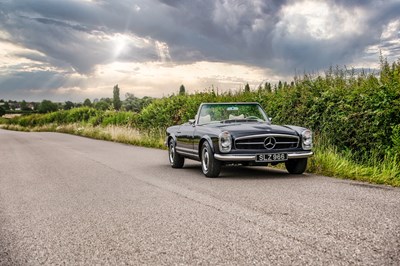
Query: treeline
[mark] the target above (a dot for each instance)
(131, 103)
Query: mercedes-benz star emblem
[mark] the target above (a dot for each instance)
(269, 143)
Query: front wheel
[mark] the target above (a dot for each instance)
(296, 166)
(175, 159)
(211, 167)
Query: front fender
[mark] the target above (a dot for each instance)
(209, 140)
(168, 138)
(297, 129)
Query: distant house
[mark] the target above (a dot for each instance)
(31, 106)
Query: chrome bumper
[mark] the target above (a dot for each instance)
(252, 157)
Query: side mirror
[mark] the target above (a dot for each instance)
(270, 119)
(191, 121)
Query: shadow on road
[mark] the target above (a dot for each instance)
(243, 172)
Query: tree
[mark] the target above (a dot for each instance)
(87, 103)
(280, 86)
(47, 106)
(131, 102)
(182, 90)
(2, 111)
(135, 104)
(68, 105)
(247, 88)
(267, 87)
(116, 100)
(130, 96)
(102, 105)
(24, 106)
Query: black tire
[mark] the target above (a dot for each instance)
(176, 160)
(296, 166)
(210, 166)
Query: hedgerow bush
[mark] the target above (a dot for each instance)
(119, 118)
(356, 112)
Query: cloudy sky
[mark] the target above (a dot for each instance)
(76, 49)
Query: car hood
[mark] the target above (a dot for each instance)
(246, 129)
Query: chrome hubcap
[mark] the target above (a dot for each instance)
(171, 152)
(205, 160)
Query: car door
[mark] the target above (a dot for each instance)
(185, 138)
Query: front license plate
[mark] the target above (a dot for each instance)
(271, 157)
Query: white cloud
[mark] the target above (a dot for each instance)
(391, 31)
(320, 20)
(162, 51)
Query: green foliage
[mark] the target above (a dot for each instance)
(329, 161)
(82, 114)
(68, 105)
(2, 111)
(135, 104)
(47, 106)
(247, 88)
(87, 103)
(102, 105)
(24, 106)
(396, 140)
(116, 100)
(358, 115)
(120, 118)
(182, 90)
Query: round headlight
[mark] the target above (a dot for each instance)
(225, 141)
(306, 137)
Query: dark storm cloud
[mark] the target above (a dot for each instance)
(236, 31)
(36, 80)
(71, 33)
(36, 85)
(78, 35)
(252, 32)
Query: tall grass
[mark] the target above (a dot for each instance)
(122, 134)
(329, 161)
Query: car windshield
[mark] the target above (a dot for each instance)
(231, 113)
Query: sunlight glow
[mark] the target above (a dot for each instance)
(151, 78)
(119, 42)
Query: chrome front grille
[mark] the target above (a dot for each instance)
(267, 142)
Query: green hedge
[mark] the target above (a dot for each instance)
(356, 112)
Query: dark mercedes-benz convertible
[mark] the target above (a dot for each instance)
(237, 133)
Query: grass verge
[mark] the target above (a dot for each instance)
(329, 162)
(122, 134)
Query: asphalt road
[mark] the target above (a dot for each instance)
(76, 201)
